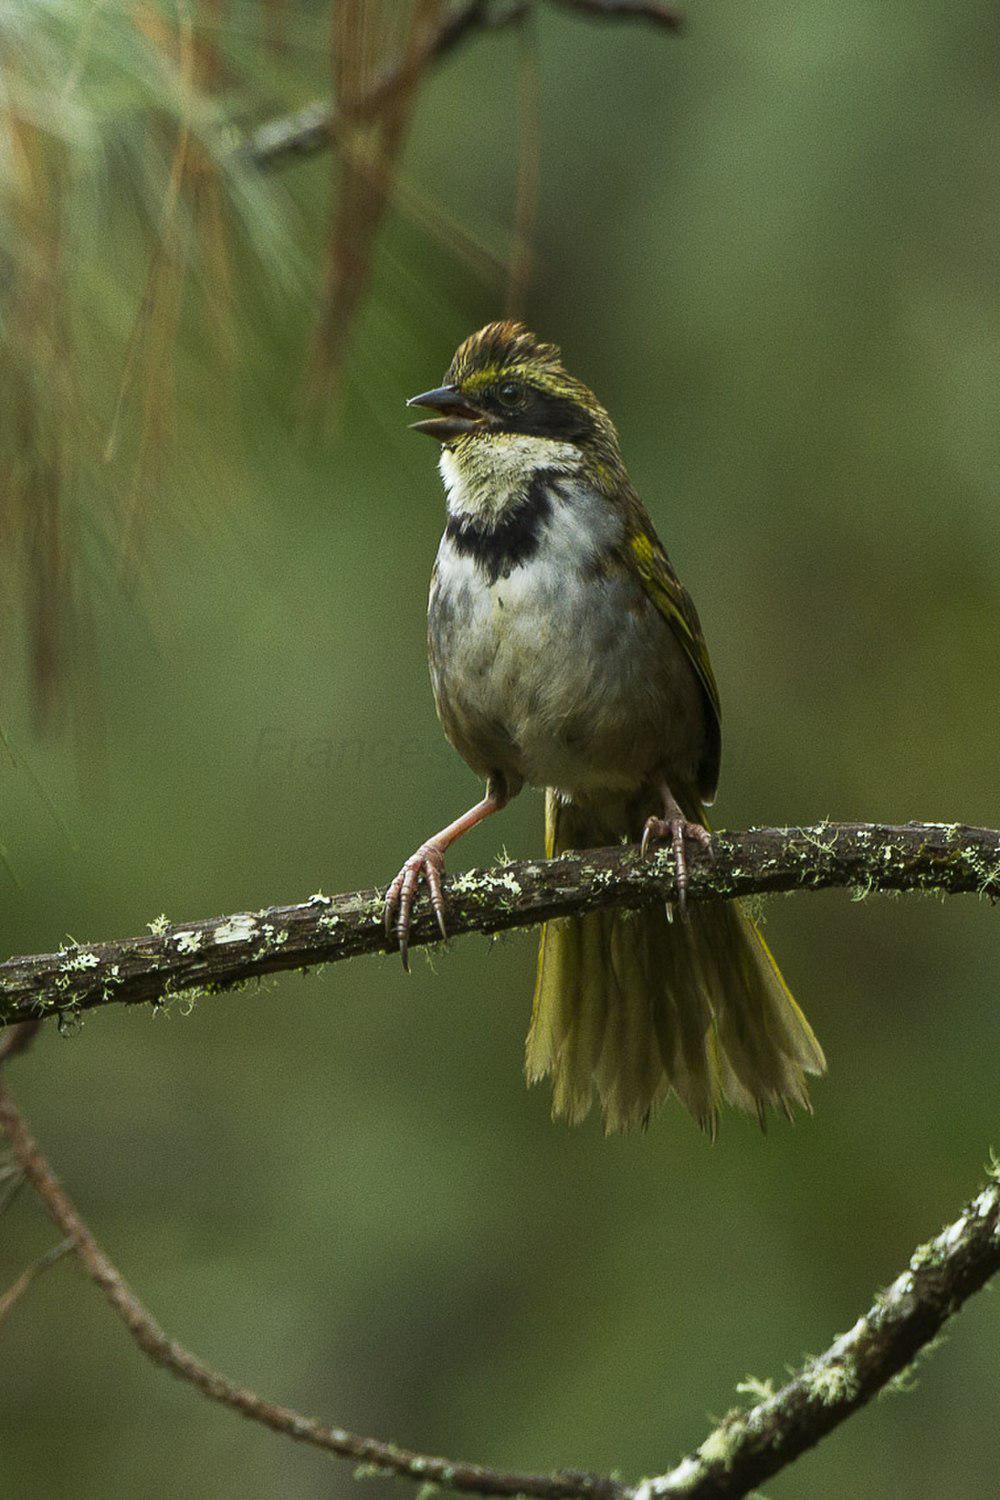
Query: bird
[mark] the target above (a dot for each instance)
(565, 654)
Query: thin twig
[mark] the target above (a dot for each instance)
(749, 1447)
(16, 1291)
(204, 957)
(165, 1351)
(11, 1183)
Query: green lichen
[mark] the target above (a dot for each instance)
(907, 1379)
(757, 1390)
(830, 1382)
(721, 1446)
(372, 1471)
(924, 1255)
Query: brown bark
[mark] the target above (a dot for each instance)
(205, 957)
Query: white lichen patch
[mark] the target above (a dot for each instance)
(950, 1237)
(273, 937)
(188, 942)
(239, 929)
(112, 978)
(484, 882)
(689, 1472)
(985, 1203)
(79, 962)
(159, 925)
(318, 899)
(328, 922)
(900, 1288)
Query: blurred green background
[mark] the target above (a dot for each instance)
(771, 248)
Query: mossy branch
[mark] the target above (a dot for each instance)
(214, 955)
(749, 1447)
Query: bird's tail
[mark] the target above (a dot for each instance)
(632, 1005)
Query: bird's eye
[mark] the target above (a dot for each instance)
(510, 393)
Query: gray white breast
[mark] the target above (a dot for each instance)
(540, 659)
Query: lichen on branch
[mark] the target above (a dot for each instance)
(208, 956)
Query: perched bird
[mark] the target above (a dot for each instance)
(566, 654)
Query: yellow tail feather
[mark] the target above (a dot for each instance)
(631, 1005)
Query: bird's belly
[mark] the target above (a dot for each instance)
(557, 677)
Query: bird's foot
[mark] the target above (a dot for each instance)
(677, 830)
(429, 863)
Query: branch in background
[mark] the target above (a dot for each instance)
(18, 1037)
(749, 1447)
(165, 1351)
(627, 10)
(319, 124)
(205, 957)
(745, 1449)
(30, 1274)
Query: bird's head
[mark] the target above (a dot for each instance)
(507, 392)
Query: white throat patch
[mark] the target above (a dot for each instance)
(494, 472)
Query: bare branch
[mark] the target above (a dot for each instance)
(749, 1447)
(319, 124)
(204, 957)
(627, 10)
(165, 1351)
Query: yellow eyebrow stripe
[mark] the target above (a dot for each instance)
(480, 379)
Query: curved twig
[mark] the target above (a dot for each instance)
(165, 1351)
(205, 957)
(747, 1448)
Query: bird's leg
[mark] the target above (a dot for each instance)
(428, 861)
(675, 827)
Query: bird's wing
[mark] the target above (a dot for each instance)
(647, 560)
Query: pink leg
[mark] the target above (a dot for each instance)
(675, 827)
(429, 862)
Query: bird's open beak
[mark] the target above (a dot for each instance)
(457, 415)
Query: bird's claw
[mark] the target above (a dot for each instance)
(398, 910)
(676, 830)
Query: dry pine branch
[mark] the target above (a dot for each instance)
(318, 125)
